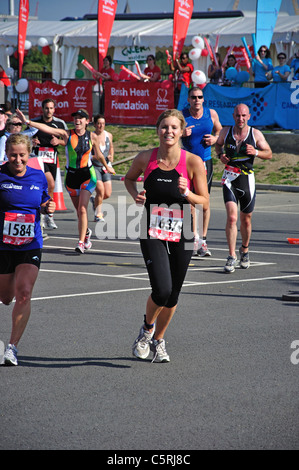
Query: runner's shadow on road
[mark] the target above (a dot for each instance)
(66, 363)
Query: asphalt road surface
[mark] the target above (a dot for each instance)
(232, 382)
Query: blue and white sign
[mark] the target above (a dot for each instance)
(276, 104)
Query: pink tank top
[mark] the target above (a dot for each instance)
(181, 167)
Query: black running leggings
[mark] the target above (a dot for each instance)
(167, 264)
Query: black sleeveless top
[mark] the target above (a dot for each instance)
(240, 159)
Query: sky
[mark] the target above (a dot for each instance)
(56, 10)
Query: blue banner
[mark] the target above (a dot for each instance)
(266, 16)
(276, 104)
(287, 105)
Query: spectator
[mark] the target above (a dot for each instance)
(152, 72)
(215, 72)
(231, 62)
(3, 119)
(294, 64)
(260, 66)
(296, 75)
(281, 72)
(13, 126)
(182, 74)
(4, 81)
(8, 108)
(106, 73)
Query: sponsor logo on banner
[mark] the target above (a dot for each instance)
(162, 100)
(75, 95)
(137, 103)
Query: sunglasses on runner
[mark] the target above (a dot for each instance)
(193, 97)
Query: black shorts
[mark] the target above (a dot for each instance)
(10, 259)
(209, 170)
(51, 168)
(76, 179)
(241, 190)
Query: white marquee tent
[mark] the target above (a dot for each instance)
(67, 37)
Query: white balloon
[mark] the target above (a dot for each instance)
(10, 71)
(28, 45)
(9, 50)
(42, 42)
(194, 54)
(22, 85)
(198, 77)
(198, 42)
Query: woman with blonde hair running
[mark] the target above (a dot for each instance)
(173, 179)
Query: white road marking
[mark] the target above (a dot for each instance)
(185, 285)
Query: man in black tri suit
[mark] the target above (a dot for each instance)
(45, 146)
(237, 147)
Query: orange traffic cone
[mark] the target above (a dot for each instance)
(58, 191)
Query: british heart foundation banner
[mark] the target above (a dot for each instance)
(77, 94)
(137, 103)
(183, 10)
(22, 31)
(106, 15)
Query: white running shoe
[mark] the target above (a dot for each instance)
(87, 242)
(195, 245)
(244, 259)
(141, 346)
(159, 349)
(230, 264)
(203, 250)
(49, 222)
(10, 355)
(80, 247)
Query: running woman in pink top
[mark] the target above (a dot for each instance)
(173, 179)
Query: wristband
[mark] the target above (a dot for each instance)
(186, 193)
(27, 121)
(256, 152)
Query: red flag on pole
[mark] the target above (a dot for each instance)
(23, 20)
(106, 15)
(183, 10)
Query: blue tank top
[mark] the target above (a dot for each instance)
(202, 126)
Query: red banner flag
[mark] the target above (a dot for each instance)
(106, 15)
(23, 20)
(183, 10)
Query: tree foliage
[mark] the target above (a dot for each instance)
(34, 61)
